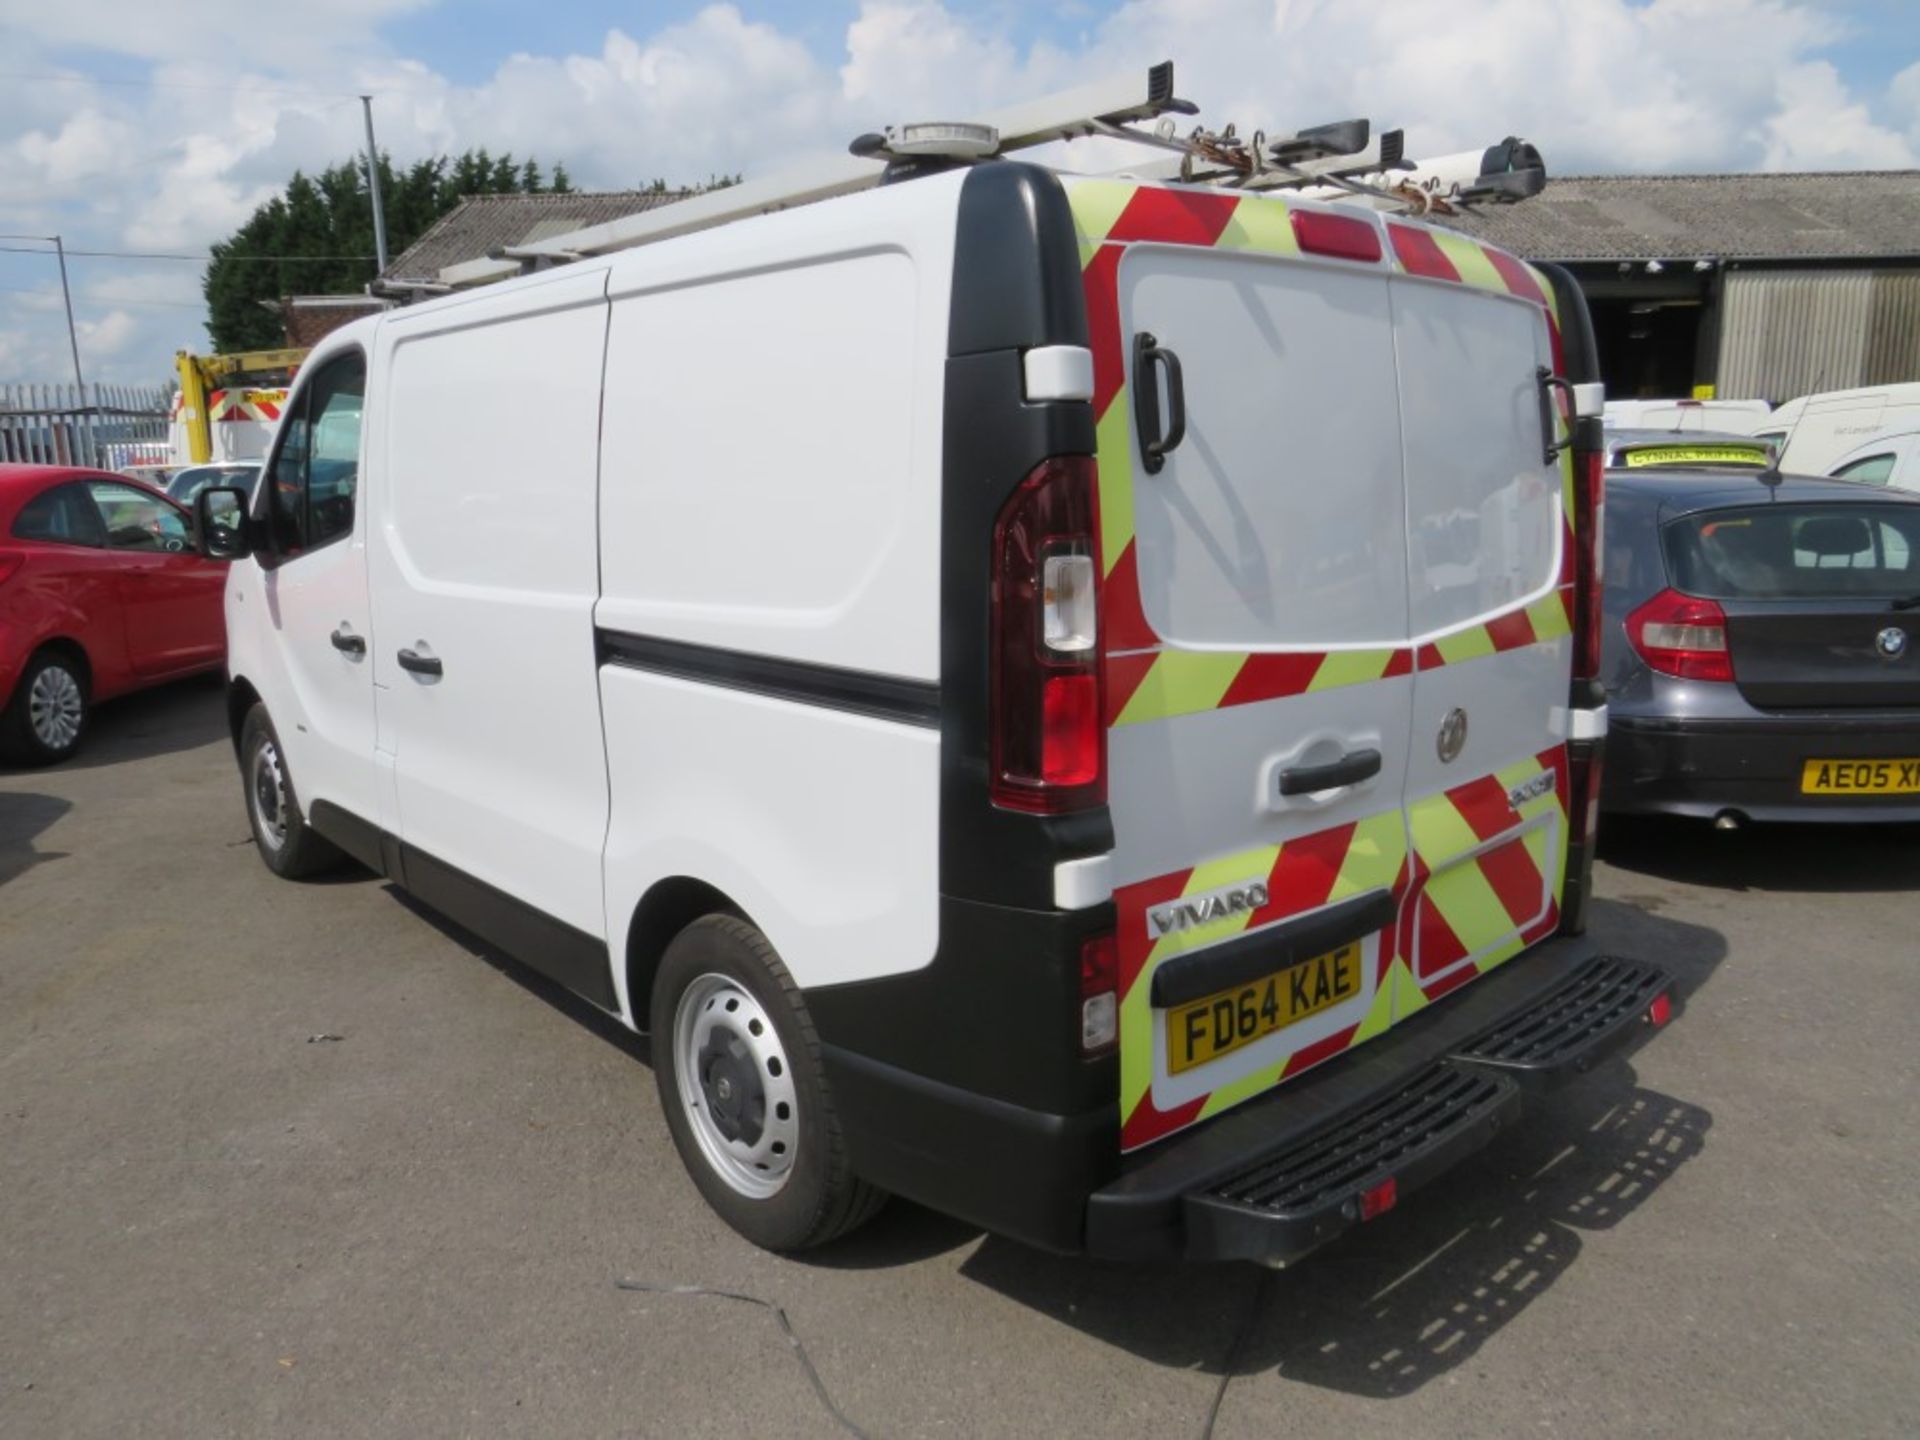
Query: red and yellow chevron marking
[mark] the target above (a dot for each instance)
(1147, 680)
(238, 405)
(1453, 905)
(1302, 874)
(1480, 901)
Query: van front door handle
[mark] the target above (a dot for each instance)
(415, 663)
(348, 643)
(1349, 769)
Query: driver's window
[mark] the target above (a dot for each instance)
(136, 520)
(316, 470)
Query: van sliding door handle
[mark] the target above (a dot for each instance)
(415, 663)
(1349, 769)
(1155, 446)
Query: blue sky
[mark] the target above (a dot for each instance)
(134, 126)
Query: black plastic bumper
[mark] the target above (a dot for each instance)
(1280, 1176)
(1696, 767)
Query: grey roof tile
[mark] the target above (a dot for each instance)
(481, 223)
(1816, 216)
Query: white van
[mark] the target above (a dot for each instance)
(1726, 417)
(1816, 430)
(1891, 457)
(1065, 699)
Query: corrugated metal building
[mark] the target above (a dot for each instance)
(1760, 286)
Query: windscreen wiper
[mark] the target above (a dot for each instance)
(1906, 602)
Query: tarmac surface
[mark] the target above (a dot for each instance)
(283, 1159)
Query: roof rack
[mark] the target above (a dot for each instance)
(1338, 161)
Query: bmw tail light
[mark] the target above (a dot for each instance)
(1048, 742)
(1683, 636)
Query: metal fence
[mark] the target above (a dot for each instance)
(108, 426)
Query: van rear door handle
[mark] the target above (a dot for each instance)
(348, 643)
(1155, 446)
(416, 663)
(1349, 769)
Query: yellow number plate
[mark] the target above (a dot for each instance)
(1861, 777)
(1220, 1024)
(1697, 455)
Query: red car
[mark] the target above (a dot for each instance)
(100, 593)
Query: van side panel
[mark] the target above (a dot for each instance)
(769, 620)
(483, 554)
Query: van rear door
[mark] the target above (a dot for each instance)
(1255, 609)
(1491, 596)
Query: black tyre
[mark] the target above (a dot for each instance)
(47, 717)
(738, 1066)
(291, 848)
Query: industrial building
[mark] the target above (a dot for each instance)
(1736, 286)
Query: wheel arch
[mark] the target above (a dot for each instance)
(74, 650)
(668, 907)
(241, 697)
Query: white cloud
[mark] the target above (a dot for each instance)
(1645, 85)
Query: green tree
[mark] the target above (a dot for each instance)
(316, 237)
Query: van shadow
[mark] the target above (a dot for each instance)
(1816, 859)
(1399, 1302)
(1395, 1303)
(24, 816)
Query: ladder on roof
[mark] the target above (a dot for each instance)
(1342, 161)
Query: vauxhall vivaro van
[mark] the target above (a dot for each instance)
(1067, 699)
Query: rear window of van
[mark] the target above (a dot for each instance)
(1795, 552)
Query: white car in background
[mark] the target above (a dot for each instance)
(1890, 458)
(1728, 417)
(1815, 431)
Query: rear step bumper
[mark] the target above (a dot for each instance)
(1281, 1176)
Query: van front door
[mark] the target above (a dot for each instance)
(485, 574)
(319, 689)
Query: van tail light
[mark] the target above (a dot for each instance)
(1589, 522)
(1682, 635)
(1099, 993)
(1345, 237)
(1049, 743)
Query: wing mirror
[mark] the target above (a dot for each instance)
(220, 523)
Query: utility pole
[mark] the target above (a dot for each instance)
(73, 343)
(73, 338)
(373, 184)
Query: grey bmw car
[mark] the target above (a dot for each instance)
(1761, 647)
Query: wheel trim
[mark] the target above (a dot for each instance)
(267, 795)
(55, 707)
(721, 1036)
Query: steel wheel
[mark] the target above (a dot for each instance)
(267, 792)
(737, 1085)
(56, 707)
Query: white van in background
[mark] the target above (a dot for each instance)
(1726, 417)
(1814, 431)
(1890, 458)
(882, 649)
